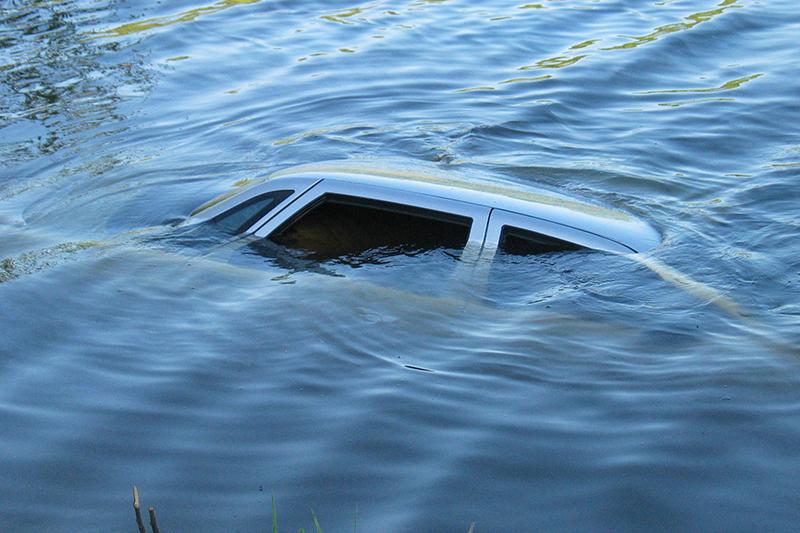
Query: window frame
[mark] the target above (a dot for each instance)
(255, 217)
(548, 243)
(228, 201)
(425, 215)
(500, 218)
(478, 214)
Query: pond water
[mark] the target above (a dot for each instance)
(566, 391)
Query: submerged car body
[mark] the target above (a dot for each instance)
(486, 216)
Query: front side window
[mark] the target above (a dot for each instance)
(342, 225)
(244, 215)
(517, 241)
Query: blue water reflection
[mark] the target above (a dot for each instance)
(572, 391)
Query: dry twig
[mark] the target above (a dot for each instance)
(136, 509)
(153, 521)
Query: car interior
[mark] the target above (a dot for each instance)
(339, 225)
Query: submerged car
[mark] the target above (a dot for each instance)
(333, 210)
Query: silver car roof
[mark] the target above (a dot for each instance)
(633, 233)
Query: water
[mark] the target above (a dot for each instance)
(579, 391)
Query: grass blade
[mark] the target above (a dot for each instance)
(316, 522)
(274, 516)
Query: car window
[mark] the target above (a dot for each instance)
(244, 215)
(517, 241)
(340, 225)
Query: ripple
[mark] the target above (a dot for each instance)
(691, 21)
(189, 15)
(727, 86)
(343, 17)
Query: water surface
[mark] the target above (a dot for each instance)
(572, 391)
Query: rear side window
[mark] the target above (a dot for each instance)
(342, 225)
(517, 241)
(244, 215)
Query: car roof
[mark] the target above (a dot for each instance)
(526, 200)
(452, 185)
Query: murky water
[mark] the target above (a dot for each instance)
(573, 391)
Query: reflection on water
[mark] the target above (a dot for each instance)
(342, 17)
(559, 391)
(690, 22)
(568, 58)
(727, 86)
(159, 22)
(56, 85)
(554, 62)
